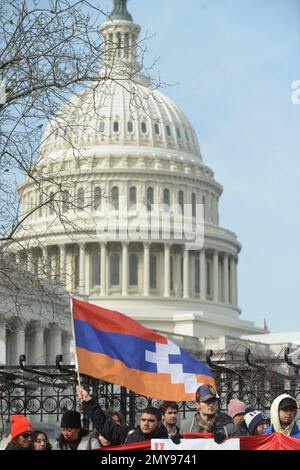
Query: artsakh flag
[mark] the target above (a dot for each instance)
(112, 347)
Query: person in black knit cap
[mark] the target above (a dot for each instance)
(73, 436)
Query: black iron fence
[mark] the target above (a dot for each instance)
(45, 392)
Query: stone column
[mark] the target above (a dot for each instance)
(192, 274)
(186, 285)
(62, 264)
(81, 268)
(30, 261)
(17, 344)
(146, 268)
(46, 262)
(167, 270)
(232, 281)
(225, 277)
(66, 347)
(103, 269)
(202, 275)
(69, 272)
(124, 268)
(216, 276)
(177, 275)
(36, 346)
(236, 281)
(54, 342)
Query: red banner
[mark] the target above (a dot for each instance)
(275, 441)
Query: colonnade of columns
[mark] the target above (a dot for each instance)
(40, 342)
(217, 270)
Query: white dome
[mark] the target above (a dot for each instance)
(120, 139)
(113, 113)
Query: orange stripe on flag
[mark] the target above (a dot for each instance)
(150, 384)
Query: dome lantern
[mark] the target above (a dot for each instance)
(120, 35)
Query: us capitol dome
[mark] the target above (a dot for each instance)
(122, 140)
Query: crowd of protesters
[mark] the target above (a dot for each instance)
(110, 429)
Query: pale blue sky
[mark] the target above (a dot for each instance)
(232, 64)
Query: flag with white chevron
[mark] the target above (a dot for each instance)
(111, 346)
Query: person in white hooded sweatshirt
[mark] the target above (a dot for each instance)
(283, 413)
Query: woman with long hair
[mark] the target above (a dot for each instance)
(73, 436)
(21, 433)
(39, 441)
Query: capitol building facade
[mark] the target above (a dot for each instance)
(122, 143)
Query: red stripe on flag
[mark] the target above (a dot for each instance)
(113, 322)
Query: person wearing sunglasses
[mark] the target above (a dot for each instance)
(21, 433)
(39, 441)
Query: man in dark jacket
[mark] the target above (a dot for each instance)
(169, 412)
(208, 418)
(150, 423)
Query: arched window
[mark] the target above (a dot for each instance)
(129, 127)
(133, 270)
(168, 129)
(132, 196)
(178, 133)
(167, 197)
(181, 200)
(95, 270)
(197, 276)
(153, 272)
(65, 201)
(102, 126)
(144, 127)
(186, 135)
(115, 197)
(150, 198)
(97, 197)
(80, 199)
(156, 129)
(116, 126)
(193, 204)
(115, 270)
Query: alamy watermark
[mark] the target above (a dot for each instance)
(158, 222)
(296, 93)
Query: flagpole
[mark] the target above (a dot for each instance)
(74, 338)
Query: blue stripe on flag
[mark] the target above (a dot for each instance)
(128, 349)
(131, 349)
